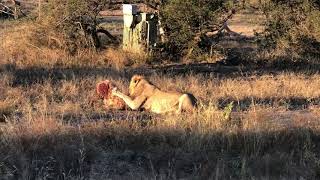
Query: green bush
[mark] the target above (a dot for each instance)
(293, 28)
(185, 21)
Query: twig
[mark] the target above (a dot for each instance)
(35, 46)
(6, 12)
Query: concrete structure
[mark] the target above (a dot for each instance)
(140, 30)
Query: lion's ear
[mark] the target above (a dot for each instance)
(103, 88)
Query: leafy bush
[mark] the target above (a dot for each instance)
(293, 28)
(71, 24)
(185, 21)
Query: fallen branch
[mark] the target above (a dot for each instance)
(5, 12)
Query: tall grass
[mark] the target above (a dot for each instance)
(57, 129)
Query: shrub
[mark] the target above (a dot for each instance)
(185, 21)
(72, 24)
(292, 29)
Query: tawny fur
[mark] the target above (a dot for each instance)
(144, 95)
(104, 89)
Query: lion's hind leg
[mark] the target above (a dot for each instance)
(186, 103)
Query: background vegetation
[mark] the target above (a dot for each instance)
(69, 24)
(253, 122)
(186, 22)
(292, 29)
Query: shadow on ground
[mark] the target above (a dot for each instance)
(290, 103)
(33, 75)
(167, 154)
(110, 115)
(38, 75)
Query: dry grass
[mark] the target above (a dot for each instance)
(247, 127)
(54, 131)
(20, 48)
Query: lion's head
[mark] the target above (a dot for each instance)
(136, 86)
(140, 85)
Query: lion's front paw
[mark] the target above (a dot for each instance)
(115, 91)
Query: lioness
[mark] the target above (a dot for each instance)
(143, 94)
